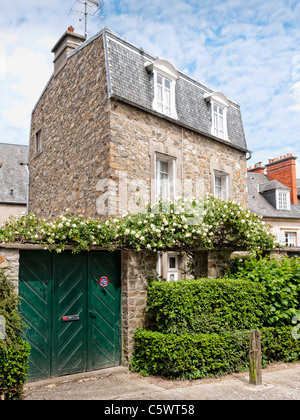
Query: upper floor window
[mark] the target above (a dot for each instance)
(165, 178)
(163, 95)
(38, 142)
(218, 108)
(221, 185)
(290, 238)
(283, 200)
(218, 120)
(164, 86)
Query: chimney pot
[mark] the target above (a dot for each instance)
(66, 44)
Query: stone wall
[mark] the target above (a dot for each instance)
(73, 116)
(9, 259)
(136, 137)
(136, 267)
(211, 264)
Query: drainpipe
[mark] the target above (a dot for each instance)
(250, 157)
(27, 194)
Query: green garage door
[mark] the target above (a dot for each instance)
(73, 318)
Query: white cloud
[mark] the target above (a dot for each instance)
(27, 73)
(47, 42)
(249, 50)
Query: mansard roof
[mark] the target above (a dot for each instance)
(129, 80)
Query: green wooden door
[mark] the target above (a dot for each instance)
(69, 339)
(35, 292)
(104, 307)
(74, 322)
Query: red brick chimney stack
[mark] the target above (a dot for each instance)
(284, 171)
(258, 168)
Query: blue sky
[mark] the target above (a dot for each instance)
(249, 50)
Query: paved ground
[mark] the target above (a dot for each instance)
(280, 381)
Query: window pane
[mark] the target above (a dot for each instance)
(290, 239)
(282, 201)
(221, 123)
(172, 262)
(167, 84)
(159, 80)
(218, 187)
(164, 167)
(167, 98)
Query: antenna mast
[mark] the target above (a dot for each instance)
(92, 4)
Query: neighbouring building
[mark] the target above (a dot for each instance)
(13, 180)
(273, 193)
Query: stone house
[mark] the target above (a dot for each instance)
(273, 194)
(117, 128)
(13, 180)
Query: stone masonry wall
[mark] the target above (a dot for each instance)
(136, 267)
(9, 259)
(73, 116)
(137, 135)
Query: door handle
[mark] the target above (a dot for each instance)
(93, 314)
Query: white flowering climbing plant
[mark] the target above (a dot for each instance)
(183, 224)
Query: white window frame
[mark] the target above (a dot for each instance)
(220, 102)
(281, 202)
(171, 188)
(164, 95)
(163, 69)
(221, 191)
(218, 121)
(290, 239)
(172, 273)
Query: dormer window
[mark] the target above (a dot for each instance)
(163, 95)
(283, 200)
(164, 83)
(218, 104)
(218, 120)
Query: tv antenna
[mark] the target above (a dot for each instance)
(95, 8)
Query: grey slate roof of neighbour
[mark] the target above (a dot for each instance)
(13, 176)
(259, 205)
(272, 185)
(129, 80)
(298, 187)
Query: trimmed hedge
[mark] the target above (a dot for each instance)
(194, 356)
(13, 369)
(206, 306)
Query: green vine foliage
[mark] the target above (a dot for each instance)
(14, 351)
(183, 224)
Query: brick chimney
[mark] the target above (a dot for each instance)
(67, 43)
(283, 169)
(258, 168)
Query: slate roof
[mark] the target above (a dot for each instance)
(129, 80)
(272, 185)
(13, 176)
(259, 205)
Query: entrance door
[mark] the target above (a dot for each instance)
(73, 320)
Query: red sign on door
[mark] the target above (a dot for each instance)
(104, 281)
